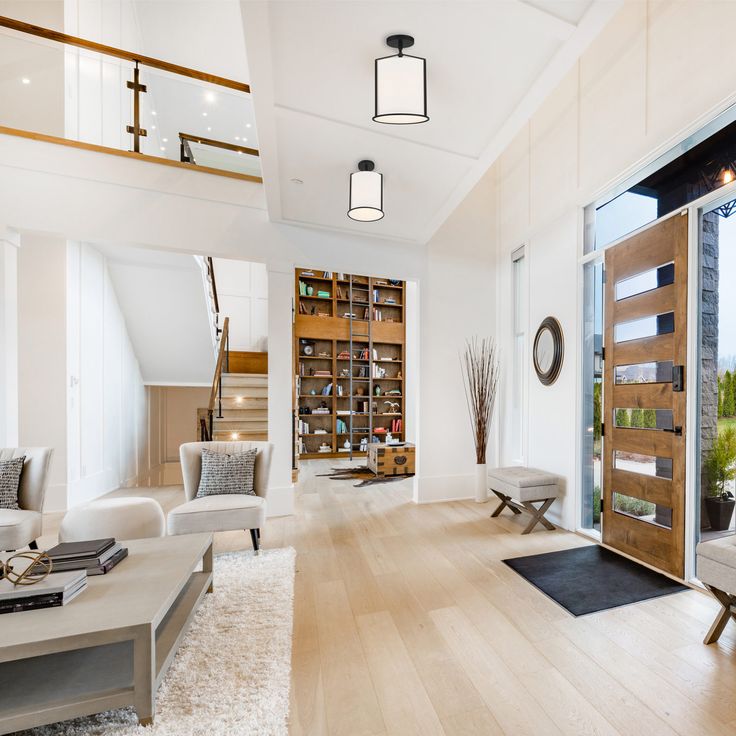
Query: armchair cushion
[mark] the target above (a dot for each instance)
(18, 528)
(227, 473)
(10, 472)
(217, 513)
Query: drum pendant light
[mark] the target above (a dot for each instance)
(401, 85)
(366, 193)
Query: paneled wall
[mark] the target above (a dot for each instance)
(242, 290)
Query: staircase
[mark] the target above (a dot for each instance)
(244, 408)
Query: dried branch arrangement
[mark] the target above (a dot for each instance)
(480, 369)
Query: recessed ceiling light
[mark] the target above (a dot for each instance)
(245, 140)
(204, 114)
(153, 112)
(165, 140)
(209, 96)
(25, 80)
(163, 148)
(240, 153)
(153, 127)
(237, 137)
(248, 125)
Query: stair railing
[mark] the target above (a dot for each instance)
(222, 365)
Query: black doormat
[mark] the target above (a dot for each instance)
(362, 473)
(592, 578)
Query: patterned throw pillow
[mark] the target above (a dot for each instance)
(224, 473)
(10, 472)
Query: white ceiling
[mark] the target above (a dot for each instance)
(489, 65)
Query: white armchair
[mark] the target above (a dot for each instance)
(227, 511)
(22, 527)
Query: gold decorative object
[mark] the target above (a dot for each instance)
(39, 568)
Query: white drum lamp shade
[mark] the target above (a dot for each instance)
(401, 86)
(366, 193)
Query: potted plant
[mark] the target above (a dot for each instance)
(480, 369)
(720, 467)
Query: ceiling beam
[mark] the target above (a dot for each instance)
(559, 26)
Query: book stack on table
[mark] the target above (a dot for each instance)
(55, 590)
(96, 556)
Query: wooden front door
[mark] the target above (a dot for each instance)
(644, 396)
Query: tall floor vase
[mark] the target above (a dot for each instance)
(481, 483)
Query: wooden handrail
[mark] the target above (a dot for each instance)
(220, 361)
(83, 43)
(218, 144)
(211, 269)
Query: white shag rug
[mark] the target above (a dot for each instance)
(231, 674)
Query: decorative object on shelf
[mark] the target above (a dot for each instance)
(307, 347)
(36, 566)
(324, 447)
(480, 368)
(366, 193)
(346, 444)
(310, 290)
(393, 406)
(312, 393)
(720, 469)
(548, 351)
(377, 390)
(401, 85)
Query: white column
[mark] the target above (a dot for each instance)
(9, 243)
(280, 331)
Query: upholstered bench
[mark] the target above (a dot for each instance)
(717, 571)
(520, 488)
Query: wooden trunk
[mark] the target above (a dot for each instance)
(391, 459)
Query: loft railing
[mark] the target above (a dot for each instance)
(222, 366)
(129, 105)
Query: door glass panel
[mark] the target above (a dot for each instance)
(637, 329)
(643, 418)
(642, 510)
(658, 467)
(656, 372)
(646, 281)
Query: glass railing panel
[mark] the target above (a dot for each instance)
(80, 94)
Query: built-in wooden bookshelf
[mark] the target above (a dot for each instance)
(322, 349)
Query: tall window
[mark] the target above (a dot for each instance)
(518, 269)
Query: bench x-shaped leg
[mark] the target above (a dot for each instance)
(505, 501)
(728, 610)
(538, 514)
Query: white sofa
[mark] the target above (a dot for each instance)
(225, 512)
(22, 527)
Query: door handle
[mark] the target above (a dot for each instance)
(676, 430)
(678, 378)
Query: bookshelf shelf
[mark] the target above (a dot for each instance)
(329, 333)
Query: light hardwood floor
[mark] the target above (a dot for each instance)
(407, 622)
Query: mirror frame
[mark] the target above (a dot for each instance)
(547, 378)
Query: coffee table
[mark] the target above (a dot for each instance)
(112, 645)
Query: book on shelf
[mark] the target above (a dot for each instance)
(53, 591)
(323, 294)
(322, 374)
(327, 390)
(96, 556)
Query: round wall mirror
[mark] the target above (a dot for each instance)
(549, 349)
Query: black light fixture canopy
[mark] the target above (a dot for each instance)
(401, 85)
(366, 193)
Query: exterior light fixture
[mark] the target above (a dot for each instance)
(401, 85)
(366, 193)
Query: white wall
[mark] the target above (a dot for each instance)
(107, 406)
(166, 314)
(457, 302)
(42, 376)
(9, 243)
(242, 291)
